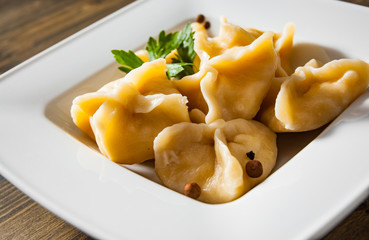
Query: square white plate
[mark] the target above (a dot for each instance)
(303, 199)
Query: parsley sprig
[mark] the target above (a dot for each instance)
(181, 41)
(129, 60)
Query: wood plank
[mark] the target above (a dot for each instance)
(355, 226)
(22, 218)
(44, 23)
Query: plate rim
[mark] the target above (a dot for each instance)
(58, 210)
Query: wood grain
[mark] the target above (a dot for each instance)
(22, 218)
(30, 26)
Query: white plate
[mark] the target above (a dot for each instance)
(303, 199)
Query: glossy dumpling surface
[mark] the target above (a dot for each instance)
(313, 96)
(127, 118)
(283, 46)
(229, 36)
(189, 86)
(214, 156)
(244, 75)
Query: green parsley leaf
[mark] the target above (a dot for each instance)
(129, 60)
(187, 68)
(186, 48)
(186, 53)
(182, 41)
(160, 49)
(179, 70)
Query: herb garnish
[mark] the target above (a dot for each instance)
(129, 60)
(181, 41)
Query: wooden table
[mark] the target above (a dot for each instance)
(30, 26)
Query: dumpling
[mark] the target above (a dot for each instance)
(125, 134)
(84, 106)
(127, 118)
(283, 43)
(189, 86)
(283, 46)
(214, 158)
(234, 75)
(244, 75)
(314, 95)
(229, 36)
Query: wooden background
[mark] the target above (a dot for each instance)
(30, 26)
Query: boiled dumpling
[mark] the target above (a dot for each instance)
(229, 36)
(189, 86)
(234, 75)
(127, 118)
(214, 157)
(283, 46)
(84, 106)
(314, 95)
(126, 135)
(267, 107)
(244, 75)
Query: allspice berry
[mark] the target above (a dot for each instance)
(207, 25)
(192, 190)
(254, 168)
(200, 18)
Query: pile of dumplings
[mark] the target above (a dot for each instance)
(213, 134)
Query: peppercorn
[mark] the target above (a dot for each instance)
(207, 25)
(192, 190)
(254, 168)
(200, 18)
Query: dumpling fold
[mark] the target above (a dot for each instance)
(314, 95)
(126, 119)
(244, 76)
(214, 156)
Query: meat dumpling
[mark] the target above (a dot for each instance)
(283, 45)
(84, 107)
(189, 86)
(234, 75)
(229, 36)
(127, 117)
(244, 75)
(215, 157)
(314, 95)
